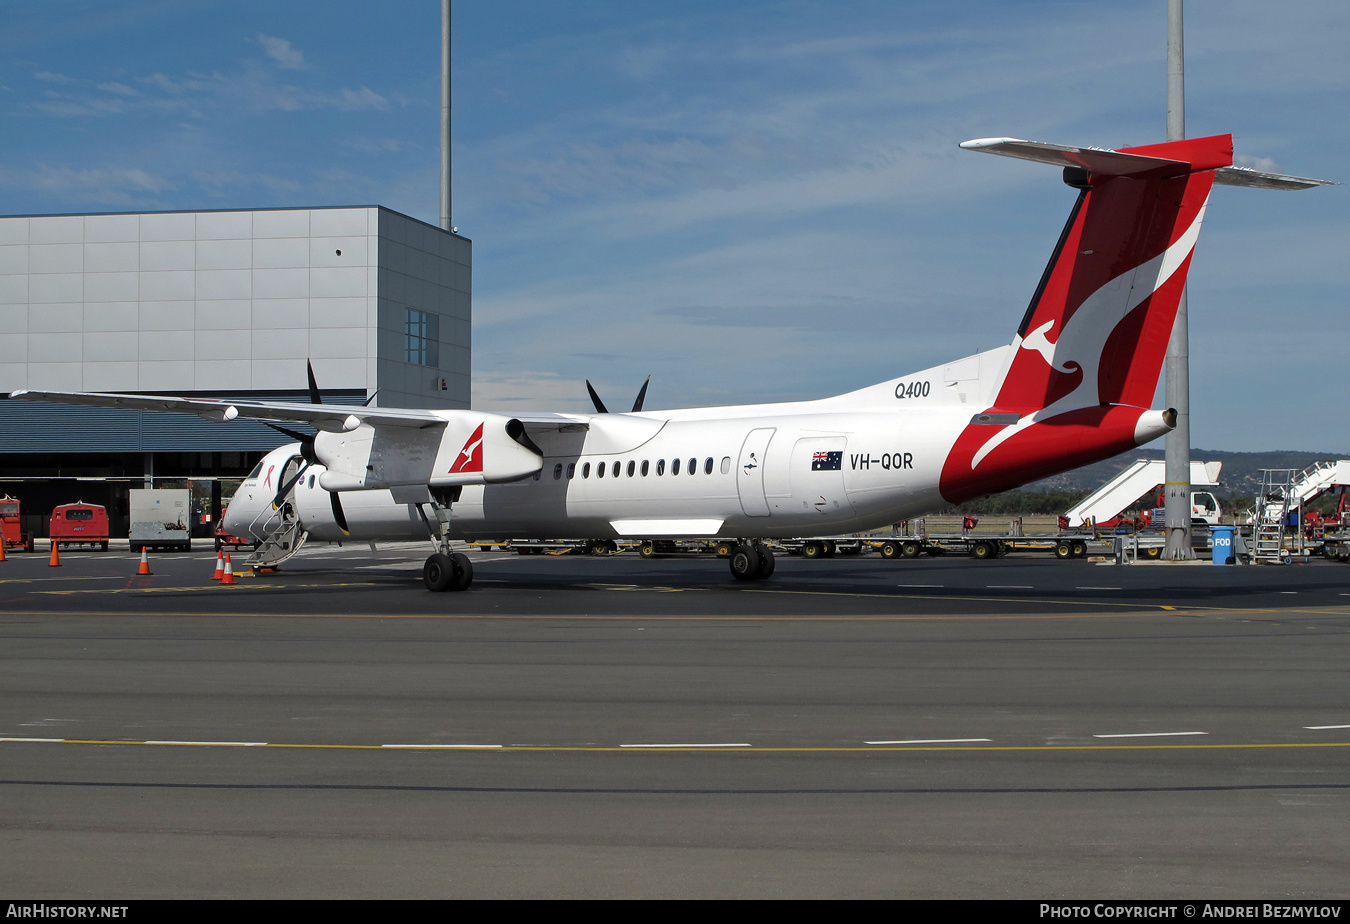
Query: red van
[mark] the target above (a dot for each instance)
(76, 524)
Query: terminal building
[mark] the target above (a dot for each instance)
(221, 304)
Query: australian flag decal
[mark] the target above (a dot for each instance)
(827, 462)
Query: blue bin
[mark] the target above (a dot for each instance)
(1221, 548)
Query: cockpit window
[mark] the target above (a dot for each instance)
(257, 470)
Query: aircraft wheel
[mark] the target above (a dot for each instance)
(1079, 548)
(812, 550)
(890, 550)
(767, 563)
(438, 572)
(1064, 550)
(745, 562)
(911, 549)
(647, 550)
(463, 571)
(723, 549)
(830, 548)
(982, 550)
(1153, 552)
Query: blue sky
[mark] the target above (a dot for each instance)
(747, 201)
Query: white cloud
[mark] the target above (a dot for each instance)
(282, 52)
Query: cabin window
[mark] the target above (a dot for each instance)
(600, 470)
(571, 470)
(311, 481)
(586, 470)
(644, 468)
(674, 466)
(557, 471)
(693, 466)
(631, 466)
(616, 469)
(707, 466)
(660, 466)
(726, 465)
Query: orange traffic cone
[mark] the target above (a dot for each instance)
(220, 566)
(145, 562)
(56, 555)
(228, 577)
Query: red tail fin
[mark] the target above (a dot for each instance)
(1096, 331)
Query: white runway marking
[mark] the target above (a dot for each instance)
(1008, 587)
(52, 740)
(1096, 588)
(936, 741)
(731, 745)
(940, 585)
(443, 747)
(1152, 735)
(1324, 727)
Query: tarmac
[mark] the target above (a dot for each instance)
(616, 727)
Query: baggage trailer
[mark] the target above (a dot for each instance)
(160, 519)
(982, 545)
(79, 524)
(11, 533)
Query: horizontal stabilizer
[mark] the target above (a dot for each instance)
(1100, 161)
(1245, 176)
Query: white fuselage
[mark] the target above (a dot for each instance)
(841, 464)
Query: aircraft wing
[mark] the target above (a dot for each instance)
(334, 418)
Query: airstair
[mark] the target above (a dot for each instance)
(1127, 487)
(279, 536)
(1319, 478)
(1280, 502)
(1275, 501)
(277, 530)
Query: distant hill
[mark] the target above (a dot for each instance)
(1241, 470)
(1238, 482)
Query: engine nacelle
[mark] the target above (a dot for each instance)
(472, 448)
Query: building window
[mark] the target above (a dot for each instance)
(421, 338)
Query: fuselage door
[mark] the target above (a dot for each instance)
(750, 472)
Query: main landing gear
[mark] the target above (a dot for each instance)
(751, 562)
(447, 572)
(444, 570)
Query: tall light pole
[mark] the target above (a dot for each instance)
(1178, 368)
(445, 115)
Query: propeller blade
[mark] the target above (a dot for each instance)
(285, 489)
(306, 441)
(642, 395)
(314, 396)
(595, 399)
(338, 516)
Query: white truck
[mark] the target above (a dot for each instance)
(161, 518)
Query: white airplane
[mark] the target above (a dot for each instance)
(1073, 387)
